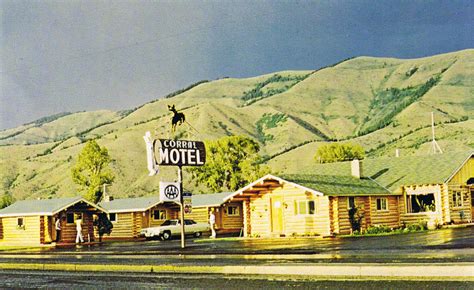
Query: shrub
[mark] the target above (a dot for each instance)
(378, 229)
(355, 218)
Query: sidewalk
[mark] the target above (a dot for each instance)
(414, 271)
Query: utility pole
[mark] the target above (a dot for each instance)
(434, 145)
(181, 205)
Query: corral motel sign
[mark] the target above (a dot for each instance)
(182, 153)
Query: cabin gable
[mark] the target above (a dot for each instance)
(288, 210)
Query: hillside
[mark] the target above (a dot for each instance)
(381, 103)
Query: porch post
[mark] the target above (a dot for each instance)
(246, 215)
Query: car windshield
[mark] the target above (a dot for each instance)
(169, 223)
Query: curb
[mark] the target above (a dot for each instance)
(463, 272)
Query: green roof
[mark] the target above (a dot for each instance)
(136, 204)
(395, 172)
(46, 207)
(210, 199)
(338, 185)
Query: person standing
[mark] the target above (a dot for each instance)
(79, 237)
(57, 225)
(212, 223)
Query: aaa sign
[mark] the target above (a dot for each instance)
(182, 153)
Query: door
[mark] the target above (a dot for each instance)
(276, 208)
(145, 219)
(472, 204)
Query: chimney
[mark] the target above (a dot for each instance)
(356, 168)
(108, 198)
(397, 152)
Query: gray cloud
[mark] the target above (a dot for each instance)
(87, 55)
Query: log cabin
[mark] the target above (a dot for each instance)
(32, 222)
(311, 205)
(436, 189)
(228, 212)
(392, 192)
(130, 215)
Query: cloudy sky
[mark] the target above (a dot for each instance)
(59, 56)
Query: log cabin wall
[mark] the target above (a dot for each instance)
(260, 219)
(232, 217)
(172, 212)
(432, 218)
(137, 224)
(458, 185)
(68, 229)
(123, 226)
(198, 214)
(276, 212)
(29, 234)
(246, 218)
(459, 213)
(389, 217)
(361, 203)
(445, 204)
(334, 214)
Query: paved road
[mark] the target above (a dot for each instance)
(448, 245)
(88, 280)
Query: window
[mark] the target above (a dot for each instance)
(71, 217)
(305, 207)
(382, 204)
(113, 217)
(457, 199)
(351, 202)
(20, 224)
(159, 214)
(421, 203)
(232, 210)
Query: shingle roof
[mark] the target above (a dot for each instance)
(144, 203)
(211, 199)
(395, 172)
(46, 207)
(136, 204)
(338, 185)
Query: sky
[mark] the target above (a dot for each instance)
(68, 56)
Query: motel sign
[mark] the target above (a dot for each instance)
(182, 153)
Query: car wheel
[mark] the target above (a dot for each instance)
(166, 236)
(197, 234)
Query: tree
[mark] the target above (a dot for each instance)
(231, 163)
(91, 170)
(334, 152)
(104, 225)
(6, 200)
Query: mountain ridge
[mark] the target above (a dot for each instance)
(290, 113)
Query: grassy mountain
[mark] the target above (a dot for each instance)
(380, 103)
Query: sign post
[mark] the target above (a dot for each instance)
(187, 202)
(180, 180)
(176, 153)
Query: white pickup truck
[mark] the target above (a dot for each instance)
(173, 228)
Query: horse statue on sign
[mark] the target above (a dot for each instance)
(178, 118)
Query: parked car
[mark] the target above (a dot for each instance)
(173, 228)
